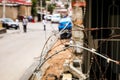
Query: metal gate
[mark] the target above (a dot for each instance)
(105, 32)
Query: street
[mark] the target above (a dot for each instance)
(19, 50)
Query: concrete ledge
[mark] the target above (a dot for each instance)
(2, 30)
(28, 73)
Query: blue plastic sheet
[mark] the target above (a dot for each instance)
(65, 23)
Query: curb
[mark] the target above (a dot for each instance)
(2, 30)
(29, 72)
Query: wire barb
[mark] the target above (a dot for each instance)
(93, 51)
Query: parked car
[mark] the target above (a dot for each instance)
(48, 17)
(9, 23)
(55, 18)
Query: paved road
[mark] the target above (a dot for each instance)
(18, 50)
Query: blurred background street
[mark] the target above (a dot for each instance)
(19, 50)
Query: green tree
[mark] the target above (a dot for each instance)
(33, 8)
(51, 7)
(43, 3)
(66, 6)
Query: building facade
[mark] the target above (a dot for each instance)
(15, 8)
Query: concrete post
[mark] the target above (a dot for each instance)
(77, 17)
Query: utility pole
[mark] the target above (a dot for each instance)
(4, 8)
(41, 9)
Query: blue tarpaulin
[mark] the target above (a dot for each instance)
(65, 23)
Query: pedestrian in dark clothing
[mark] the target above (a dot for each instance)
(25, 22)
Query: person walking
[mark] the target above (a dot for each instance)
(44, 24)
(25, 22)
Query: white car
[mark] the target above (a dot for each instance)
(55, 18)
(48, 17)
(9, 23)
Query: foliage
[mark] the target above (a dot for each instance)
(33, 9)
(43, 3)
(66, 6)
(51, 7)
